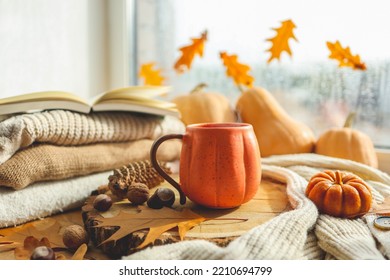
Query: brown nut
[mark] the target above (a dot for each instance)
(162, 197)
(138, 193)
(74, 236)
(43, 253)
(102, 202)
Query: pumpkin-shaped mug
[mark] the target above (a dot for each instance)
(220, 164)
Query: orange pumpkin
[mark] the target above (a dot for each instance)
(339, 194)
(345, 142)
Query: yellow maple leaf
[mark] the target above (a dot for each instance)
(237, 70)
(280, 41)
(152, 77)
(344, 56)
(188, 53)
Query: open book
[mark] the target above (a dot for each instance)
(133, 99)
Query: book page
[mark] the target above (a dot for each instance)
(43, 96)
(133, 92)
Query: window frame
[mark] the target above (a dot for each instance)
(123, 47)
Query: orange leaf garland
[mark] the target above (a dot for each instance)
(237, 70)
(280, 41)
(188, 53)
(344, 56)
(152, 77)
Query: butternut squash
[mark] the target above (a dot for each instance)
(277, 133)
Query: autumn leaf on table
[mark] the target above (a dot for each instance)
(189, 52)
(23, 239)
(152, 77)
(280, 43)
(157, 221)
(237, 70)
(30, 243)
(344, 56)
(47, 228)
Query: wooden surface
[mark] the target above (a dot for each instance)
(269, 202)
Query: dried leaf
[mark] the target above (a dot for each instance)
(344, 56)
(189, 52)
(151, 76)
(157, 221)
(47, 228)
(237, 70)
(30, 243)
(280, 41)
(47, 232)
(80, 252)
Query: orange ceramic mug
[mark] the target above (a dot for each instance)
(220, 164)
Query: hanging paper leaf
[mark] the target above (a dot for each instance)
(189, 52)
(237, 70)
(157, 221)
(281, 39)
(152, 77)
(344, 56)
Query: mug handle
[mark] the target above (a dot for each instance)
(153, 154)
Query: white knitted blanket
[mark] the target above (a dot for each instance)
(69, 128)
(301, 233)
(46, 198)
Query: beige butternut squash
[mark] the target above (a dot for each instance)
(277, 133)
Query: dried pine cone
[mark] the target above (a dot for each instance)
(136, 172)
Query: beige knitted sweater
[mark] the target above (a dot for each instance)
(301, 233)
(67, 128)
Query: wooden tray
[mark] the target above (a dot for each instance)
(270, 200)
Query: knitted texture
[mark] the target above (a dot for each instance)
(67, 128)
(300, 233)
(49, 162)
(346, 239)
(283, 237)
(45, 199)
(382, 236)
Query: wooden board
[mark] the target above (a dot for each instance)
(270, 201)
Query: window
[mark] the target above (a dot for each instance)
(308, 85)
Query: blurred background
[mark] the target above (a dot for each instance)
(90, 46)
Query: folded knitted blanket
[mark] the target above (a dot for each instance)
(68, 128)
(49, 162)
(301, 233)
(45, 199)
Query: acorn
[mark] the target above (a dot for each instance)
(138, 193)
(74, 236)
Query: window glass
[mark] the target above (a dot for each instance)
(310, 86)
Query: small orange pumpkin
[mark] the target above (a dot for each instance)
(339, 194)
(348, 143)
